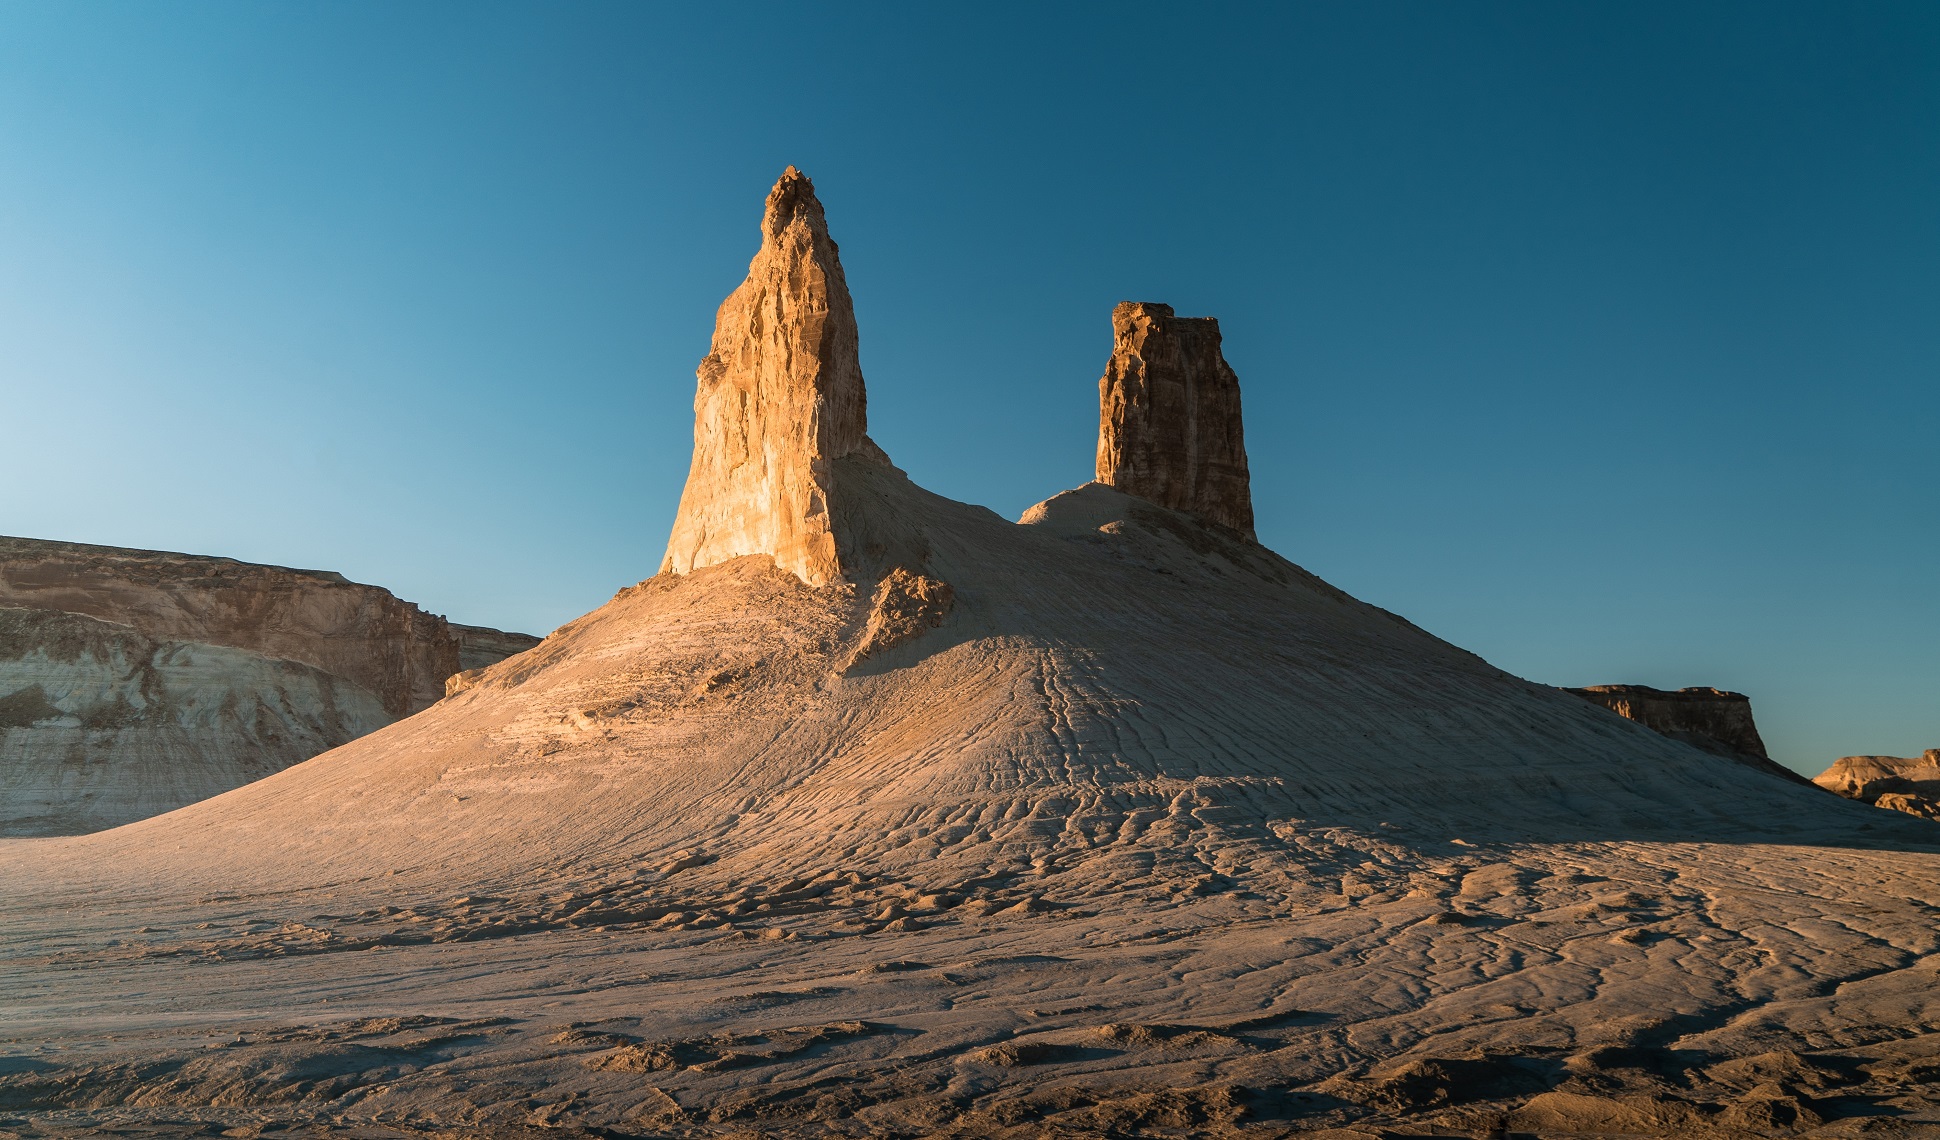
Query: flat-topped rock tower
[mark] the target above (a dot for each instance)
(1169, 418)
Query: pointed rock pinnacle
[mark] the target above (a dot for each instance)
(1168, 417)
(780, 397)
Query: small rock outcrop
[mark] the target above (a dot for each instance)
(780, 398)
(1910, 784)
(904, 607)
(1169, 417)
(133, 682)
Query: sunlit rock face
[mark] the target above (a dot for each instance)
(1169, 417)
(780, 399)
(1903, 783)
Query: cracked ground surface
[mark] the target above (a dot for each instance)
(1152, 834)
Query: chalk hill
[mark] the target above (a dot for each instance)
(133, 682)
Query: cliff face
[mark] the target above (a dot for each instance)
(1903, 783)
(135, 681)
(1169, 417)
(101, 725)
(362, 634)
(780, 399)
(1701, 716)
(1717, 721)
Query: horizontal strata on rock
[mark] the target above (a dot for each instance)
(141, 680)
(1909, 784)
(1715, 720)
(363, 634)
(1169, 427)
(101, 725)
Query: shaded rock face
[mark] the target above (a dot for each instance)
(479, 645)
(1909, 784)
(101, 725)
(1717, 721)
(133, 682)
(780, 398)
(1701, 716)
(1169, 417)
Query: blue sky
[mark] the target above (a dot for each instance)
(1603, 340)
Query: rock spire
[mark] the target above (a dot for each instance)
(780, 398)
(1168, 417)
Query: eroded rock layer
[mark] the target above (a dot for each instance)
(133, 682)
(1700, 716)
(362, 634)
(780, 397)
(1903, 783)
(100, 724)
(1169, 417)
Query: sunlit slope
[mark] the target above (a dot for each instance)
(1107, 669)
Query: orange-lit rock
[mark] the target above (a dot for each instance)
(1169, 418)
(780, 398)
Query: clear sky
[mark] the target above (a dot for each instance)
(1601, 339)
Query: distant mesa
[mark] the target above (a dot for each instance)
(135, 681)
(1715, 720)
(1910, 784)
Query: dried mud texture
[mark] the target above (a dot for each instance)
(1909, 784)
(1141, 841)
(1153, 833)
(780, 397)
(1169, 428)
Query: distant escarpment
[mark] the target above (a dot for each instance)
(1903, 783)
(1715, 720)
(135, 681)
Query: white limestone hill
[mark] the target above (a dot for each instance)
(875, 813)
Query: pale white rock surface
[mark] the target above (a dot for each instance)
(101, 725)
(135, 681)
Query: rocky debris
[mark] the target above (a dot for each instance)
(362, 634)
(133, 682)
(905, 606)
(1909, 784)
(780, 398)
(1169, 417)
